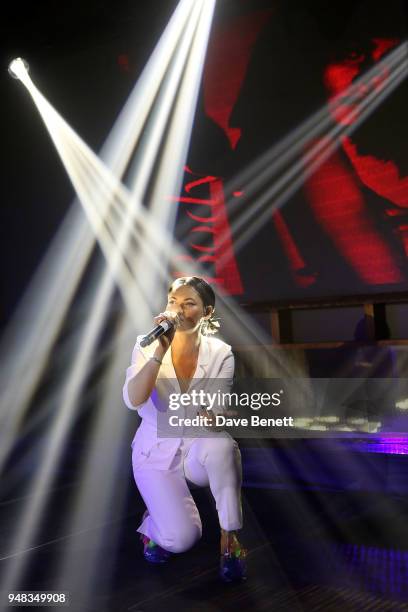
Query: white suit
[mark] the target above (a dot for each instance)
(162, 465)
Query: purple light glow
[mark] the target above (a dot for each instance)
(387, 446)
(381, 571)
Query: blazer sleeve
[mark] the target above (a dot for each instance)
(137, 362)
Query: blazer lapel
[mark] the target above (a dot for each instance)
(203, 359)
(167, 369)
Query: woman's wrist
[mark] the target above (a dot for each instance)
(159, 353)
(156, 360)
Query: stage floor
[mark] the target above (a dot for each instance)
(310, 548)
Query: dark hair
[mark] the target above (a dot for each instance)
(207, 295)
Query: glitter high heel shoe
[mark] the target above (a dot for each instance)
(152, 552)
(233, 566)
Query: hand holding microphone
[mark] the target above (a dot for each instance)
(166, 325)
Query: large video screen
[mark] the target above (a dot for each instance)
(344, 230)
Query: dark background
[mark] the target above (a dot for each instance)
(85, 58)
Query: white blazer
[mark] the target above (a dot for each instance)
(215, 361)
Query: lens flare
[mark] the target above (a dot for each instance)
(18, 68)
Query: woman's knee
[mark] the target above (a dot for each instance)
(183, 539)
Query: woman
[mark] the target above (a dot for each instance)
(185, 358)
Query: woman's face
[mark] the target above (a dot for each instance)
(187, 303)
(340, 74)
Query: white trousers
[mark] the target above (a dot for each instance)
(173, 520)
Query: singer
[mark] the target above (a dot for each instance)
(186, 354)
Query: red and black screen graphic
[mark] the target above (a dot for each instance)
(345, 230)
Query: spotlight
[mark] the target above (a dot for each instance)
(18, 67)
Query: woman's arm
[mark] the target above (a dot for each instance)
(140, 386)
(141, 376)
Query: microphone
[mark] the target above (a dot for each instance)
(156, 332)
